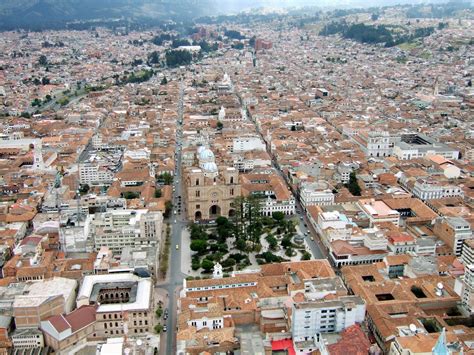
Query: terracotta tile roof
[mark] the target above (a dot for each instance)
(59, 323)
(353, 341)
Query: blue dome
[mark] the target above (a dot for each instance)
(206, 155)
(210, 167)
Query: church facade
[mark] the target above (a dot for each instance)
(210, 190)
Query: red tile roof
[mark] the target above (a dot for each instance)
(76, 320)
(353, 341)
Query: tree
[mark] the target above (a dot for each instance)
(272, 242)
(154, 57)
(165, 178)
(198, 232)
(229, 262)
(252, 41)
(238, 45)
(36, 102)
(240, 244)
(168, 209)
(159, 312)
(306, 255)
(374, 16)
(129, 195)
(234, 34)
(278, 216)
(43, 61)
(220, 125)
(286, 242)
(175, 58)
(198, 246)
(45, 80)
(179, 42)
(84, 188)
(222, 221)
(207, 265)
(353, 185)
(164, 81)
(158, 193)
(158, 328)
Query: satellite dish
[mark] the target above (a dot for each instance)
(412, 328)
(440, 285)
(139, 342)
(126, 351)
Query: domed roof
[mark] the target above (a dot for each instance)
(200, 149)
(210, 167)
(206, 155)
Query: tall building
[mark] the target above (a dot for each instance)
(454, 231)
(467, 298)
(122, 228)
(210, 190)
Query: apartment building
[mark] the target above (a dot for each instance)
(121, 228)
(310, 318)
(454, 231)
(95, 174)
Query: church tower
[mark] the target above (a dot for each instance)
(38, 163)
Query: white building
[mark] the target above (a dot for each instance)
(418, 145)
(247, 143)
(53, 287)
(429, 190)
(379, 212)
(467, 255)
(468, 289)
(95, 174)
(121, 228)
(316, 194)
(30, 338)
(270, 205)
(320, 316)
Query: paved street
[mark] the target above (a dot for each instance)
(316, 247)
(178, 222)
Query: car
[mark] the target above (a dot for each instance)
(165, 317)
(166, 311)
(301, 217)
(165, 328)
(175, 212)
(175, 221)
(177, 246)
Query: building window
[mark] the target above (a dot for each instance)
(198, 193)
(197, 182)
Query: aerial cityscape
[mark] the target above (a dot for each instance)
(256, 178)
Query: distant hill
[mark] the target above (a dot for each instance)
(55, 13)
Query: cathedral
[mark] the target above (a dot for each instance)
(210, 190)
